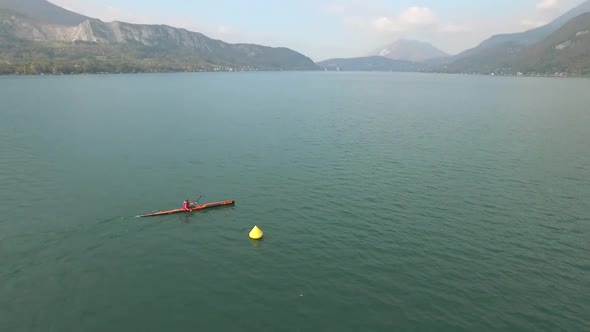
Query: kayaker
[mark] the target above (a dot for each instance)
(186, 205)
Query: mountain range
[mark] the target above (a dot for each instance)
(401, 56)
(410, 50)
(43, 12)
(561, 46)
(502, 52)
(37, 36)
(567, 50)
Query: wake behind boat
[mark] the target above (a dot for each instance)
(194, 208)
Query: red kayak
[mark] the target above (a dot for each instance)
(194, 208)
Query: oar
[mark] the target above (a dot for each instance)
(195, 202)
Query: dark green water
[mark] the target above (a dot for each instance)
(389, 202)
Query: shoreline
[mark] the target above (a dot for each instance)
(556, 75)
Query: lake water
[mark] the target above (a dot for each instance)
(389, 202)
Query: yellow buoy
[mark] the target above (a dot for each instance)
(256, 233)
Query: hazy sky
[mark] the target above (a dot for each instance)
(323, 29)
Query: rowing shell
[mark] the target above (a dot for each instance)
(194, 208)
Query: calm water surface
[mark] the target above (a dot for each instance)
(390, 202)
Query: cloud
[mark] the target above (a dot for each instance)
(225, 30)
(532, 23)
(412, 19)
(451, 27)
(418, 16)
(229, 34)
(548, 4)
(333, 8)
(546, 10)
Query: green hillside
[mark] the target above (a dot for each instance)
(43, 11)
(37, 37)
(497, 54)
(566, 50)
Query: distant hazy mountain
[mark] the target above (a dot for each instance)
(42, 35)
(497, 51)
(371, 63)
(410, 50)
